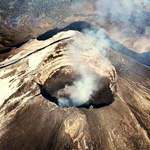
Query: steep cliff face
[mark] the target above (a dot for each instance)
(35, 76)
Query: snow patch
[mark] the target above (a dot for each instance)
(35, 59)
(7, 88)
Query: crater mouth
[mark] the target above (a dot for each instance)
(69, 89)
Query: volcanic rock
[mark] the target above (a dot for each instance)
(31, 77)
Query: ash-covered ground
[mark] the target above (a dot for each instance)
(74, 75)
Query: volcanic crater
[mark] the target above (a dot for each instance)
(61, 85)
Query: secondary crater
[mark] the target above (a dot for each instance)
(68, 88)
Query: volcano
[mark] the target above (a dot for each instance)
(117, 111)
(78, 79)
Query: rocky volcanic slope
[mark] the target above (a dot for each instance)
(31, 120)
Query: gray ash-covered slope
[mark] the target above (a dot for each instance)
(30, 118)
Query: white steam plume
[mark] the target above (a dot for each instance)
(87, 83)
(83, 89)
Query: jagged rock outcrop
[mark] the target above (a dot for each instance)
(30, 119)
